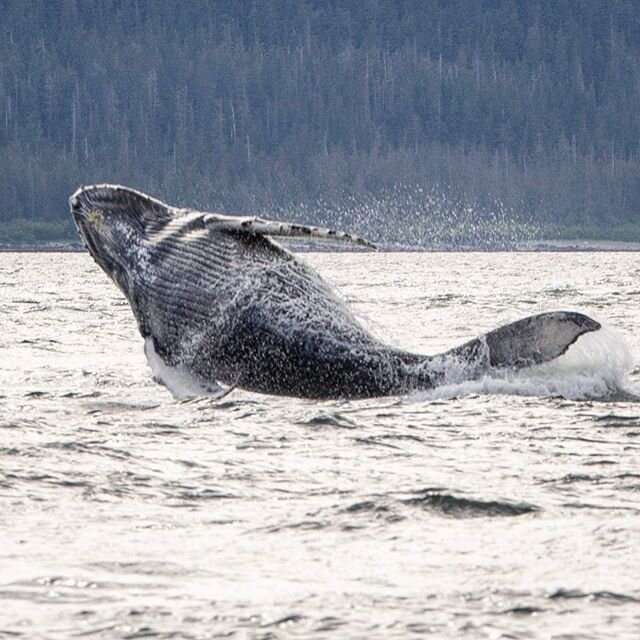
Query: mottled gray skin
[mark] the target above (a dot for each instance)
(223, 302)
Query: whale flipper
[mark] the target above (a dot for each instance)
(154, 214)
(219, 222)
(526, 342)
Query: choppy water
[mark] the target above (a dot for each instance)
(498, 509)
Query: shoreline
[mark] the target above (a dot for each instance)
(537, 246)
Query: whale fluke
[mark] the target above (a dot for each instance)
(526, 342)
(221, 305)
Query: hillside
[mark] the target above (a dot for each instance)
(401, 119)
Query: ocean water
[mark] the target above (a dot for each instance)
(502, 508)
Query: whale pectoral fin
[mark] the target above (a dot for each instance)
(259, 226)
(526, 342)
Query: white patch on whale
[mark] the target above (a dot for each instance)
(181, 383)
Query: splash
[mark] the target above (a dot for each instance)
(595, 367)
(414, 216)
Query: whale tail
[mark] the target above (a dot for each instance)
(523, 343)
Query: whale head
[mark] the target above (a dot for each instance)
(114, 223)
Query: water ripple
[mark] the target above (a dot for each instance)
(497, 509)
(461, 507)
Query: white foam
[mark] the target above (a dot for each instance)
(595, 366)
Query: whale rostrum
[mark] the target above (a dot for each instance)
(221, 305)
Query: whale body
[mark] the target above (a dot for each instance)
(220, 305)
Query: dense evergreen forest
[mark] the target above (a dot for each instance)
(410, 120)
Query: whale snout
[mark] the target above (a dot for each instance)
(87, 217)
(83, 207)
(75, 203)
(86, 198)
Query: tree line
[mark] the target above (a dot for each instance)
(327, 109)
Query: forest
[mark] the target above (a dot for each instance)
(410, 121)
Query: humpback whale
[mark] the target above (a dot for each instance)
(220, 304)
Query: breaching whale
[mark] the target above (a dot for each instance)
(222, 305)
